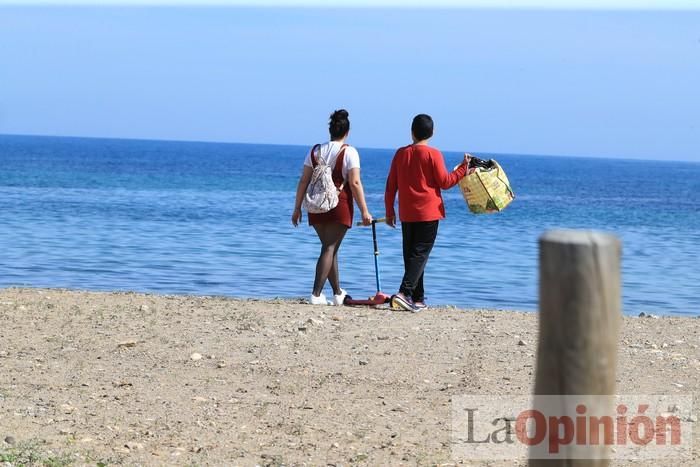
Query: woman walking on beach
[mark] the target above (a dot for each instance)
(331, 226)
(418, 173)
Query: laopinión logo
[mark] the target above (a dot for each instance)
(572, 427)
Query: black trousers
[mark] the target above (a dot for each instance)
(418, 241)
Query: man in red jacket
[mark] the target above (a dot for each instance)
(418, 173)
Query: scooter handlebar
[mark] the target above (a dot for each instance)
(374, 221)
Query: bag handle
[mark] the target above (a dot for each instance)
(314, 163)
(338, 160)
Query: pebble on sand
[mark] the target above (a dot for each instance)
(648, 315)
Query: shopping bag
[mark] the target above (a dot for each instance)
(486, 189)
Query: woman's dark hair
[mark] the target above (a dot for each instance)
(422, 127)
(339, 125)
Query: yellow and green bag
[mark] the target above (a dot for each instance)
(487, 188)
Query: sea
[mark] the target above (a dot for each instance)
(214, 219)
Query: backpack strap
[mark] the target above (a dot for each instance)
(339, 164)
(314, 163)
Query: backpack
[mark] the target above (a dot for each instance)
(322, 194)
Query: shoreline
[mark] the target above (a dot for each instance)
(130, 378)
(301, 300)
(296, 300)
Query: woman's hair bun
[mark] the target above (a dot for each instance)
(339, 115)
(339, 124)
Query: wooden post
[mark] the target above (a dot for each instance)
(579, 320)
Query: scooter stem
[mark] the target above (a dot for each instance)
(376, 256)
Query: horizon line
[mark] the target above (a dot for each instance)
(584, 5)
(496, 153)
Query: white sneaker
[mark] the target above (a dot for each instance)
(320, 300)
(339, 300)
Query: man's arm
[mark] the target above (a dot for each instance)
(444, 178)
(392, 185)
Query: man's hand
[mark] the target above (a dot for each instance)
(391, 221)
(296, 217)
(467, 158)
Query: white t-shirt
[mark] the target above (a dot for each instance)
(329, 153)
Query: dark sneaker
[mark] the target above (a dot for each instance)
(401, 302)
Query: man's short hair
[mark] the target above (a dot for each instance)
(422, 127)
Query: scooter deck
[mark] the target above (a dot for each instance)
(379, 299)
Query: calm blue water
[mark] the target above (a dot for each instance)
(214, 219)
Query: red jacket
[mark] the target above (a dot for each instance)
(418, 173)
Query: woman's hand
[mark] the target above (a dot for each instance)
(366, 218)
(296, 216)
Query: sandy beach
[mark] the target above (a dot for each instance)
(123, 378)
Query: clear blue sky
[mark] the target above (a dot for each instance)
(590, 83)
